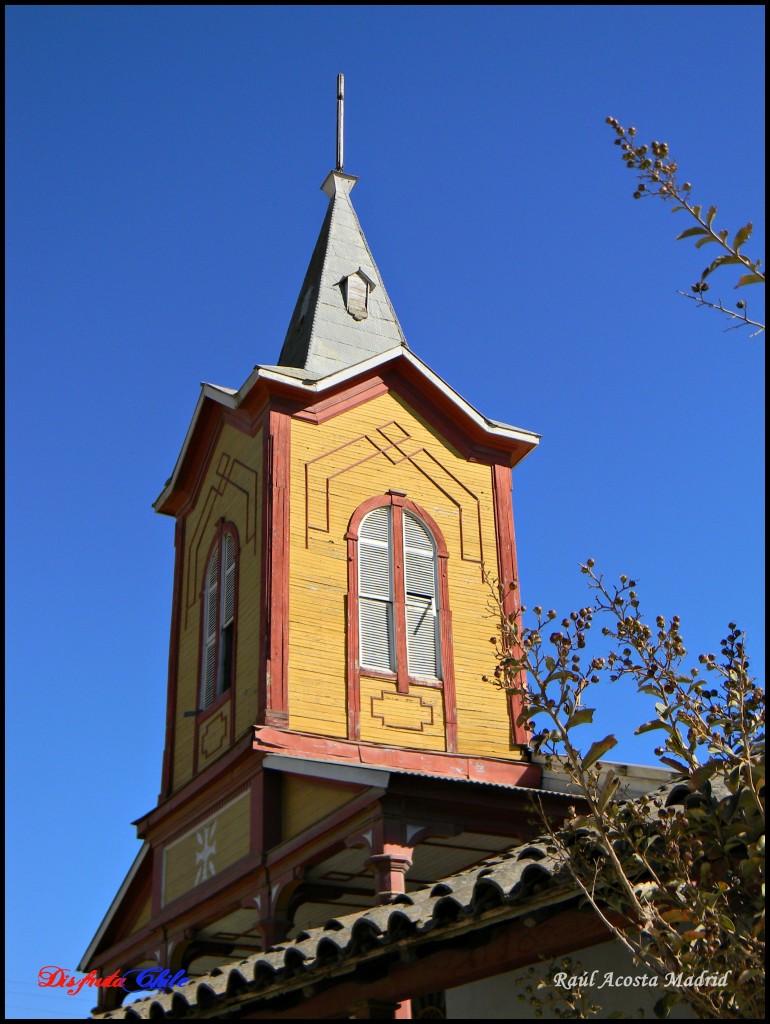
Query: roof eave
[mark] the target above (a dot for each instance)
(495, 430)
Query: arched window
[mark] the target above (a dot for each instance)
(398, 589)
(399, 623)
(218, 619)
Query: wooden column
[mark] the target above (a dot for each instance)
(390, 868)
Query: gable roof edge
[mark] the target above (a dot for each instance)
(312, 386)
(113, 908)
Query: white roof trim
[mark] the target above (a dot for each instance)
(138, 860)
(232, 399)
(363, 775)
(225, 396)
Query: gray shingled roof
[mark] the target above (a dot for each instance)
(523, 880)
(517, 881)
(322, 336)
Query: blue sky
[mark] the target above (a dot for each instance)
(163, 173)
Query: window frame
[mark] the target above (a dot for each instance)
(218, 547)
(399, 503)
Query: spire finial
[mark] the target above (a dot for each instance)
(340, 121)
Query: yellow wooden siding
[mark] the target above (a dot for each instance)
(336, 465)
(144, 916)
(415, 719)
(232, 489)
(206, 850)
(305, 802)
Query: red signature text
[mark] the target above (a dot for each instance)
(148, 978)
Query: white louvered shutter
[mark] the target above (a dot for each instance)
(210, 599)
(421, 599)
(375, 591)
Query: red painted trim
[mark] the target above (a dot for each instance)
(343, 401)
(214, 887)
(221, 880)
(202, 812)
(246, 419)
(473, 440)
(447, 659)
(233, 530)
(265, 811)
(399, 611)
(236, 765)
(239, 881)
(508, 573)
(257, 814)
(264, 590)
(275, 705)
(241, 420)
(269, 740)
(399, 502)
(167, 775)
(157, 881)
(352, 640)
(229, 694)
(213, 546)
(303, 848)
(197, 471)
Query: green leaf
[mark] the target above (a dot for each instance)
(649, 726)
(581, 717)
(696, 210)
(702, 774)
(561, 676)
(690, 232)
(720, 261)
(598, 750)
(742, 235)
(750, 279)
(663, 1006)
(611, 783)
(711, 215)
(704, 241)
(673, 763)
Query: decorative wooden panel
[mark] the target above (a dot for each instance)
(390, 443)
(215, 843)
(214, 735)
(415, 719)
(399, 711)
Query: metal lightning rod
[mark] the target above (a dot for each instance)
(340, 121)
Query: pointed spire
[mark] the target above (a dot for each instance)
(343, 314)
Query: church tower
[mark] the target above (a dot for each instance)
(330, 743)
